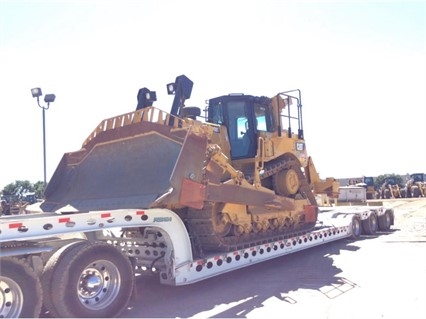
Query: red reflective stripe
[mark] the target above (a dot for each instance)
(140, 212)
(15, 225)
(64, 220)
(105, 215)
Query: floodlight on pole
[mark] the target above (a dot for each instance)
(48, 98)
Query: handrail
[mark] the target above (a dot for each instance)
(259, 161)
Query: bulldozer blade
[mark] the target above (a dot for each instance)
(129, 172)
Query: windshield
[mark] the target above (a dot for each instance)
(244, 116)
(235, 112)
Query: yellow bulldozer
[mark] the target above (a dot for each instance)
(237, 176)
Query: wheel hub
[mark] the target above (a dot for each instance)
(91, 282)
(11, 297)
(98, 285)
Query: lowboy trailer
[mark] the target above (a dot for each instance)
(85, 264)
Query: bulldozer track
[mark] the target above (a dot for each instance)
(204, 238)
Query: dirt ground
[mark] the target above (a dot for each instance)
(410, 217)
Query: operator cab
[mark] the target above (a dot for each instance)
(244, 116)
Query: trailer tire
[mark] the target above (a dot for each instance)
(385, 221)
(89, 279)
(20, 290)
(370, 225)
(356, 227)
(46, 278)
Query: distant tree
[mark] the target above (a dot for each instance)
(15, 191)
(18, 188)
(39, 189)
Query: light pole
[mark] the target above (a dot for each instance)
(48, 98)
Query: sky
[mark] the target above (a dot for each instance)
(360, 65)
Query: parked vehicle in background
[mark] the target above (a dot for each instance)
(416, 186)
(352, 194)
(368, 183)
(5, 208)
(390, 189)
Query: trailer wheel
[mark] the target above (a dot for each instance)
(356, 227)
(20, 290)
(46, 278)
(370, 224)
(89, 279)
(385, 221)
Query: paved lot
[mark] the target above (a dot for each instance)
(380, 276)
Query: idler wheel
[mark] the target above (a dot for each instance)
(221, 223)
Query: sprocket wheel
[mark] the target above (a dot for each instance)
(286, 182)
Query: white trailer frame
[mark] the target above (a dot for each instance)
(166, 246)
